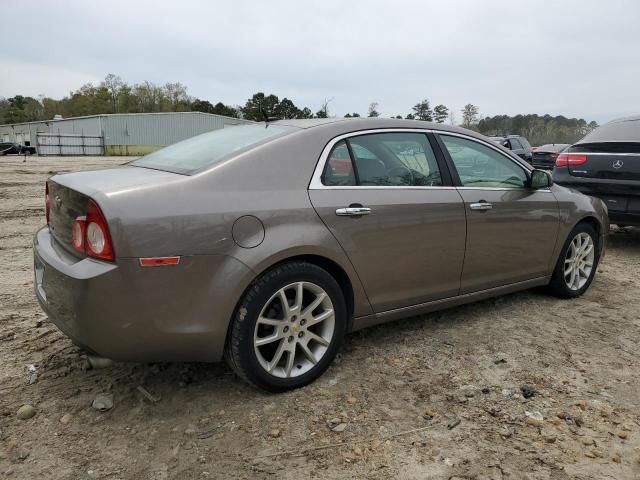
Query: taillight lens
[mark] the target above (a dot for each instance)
(97, 239)
(90, 234)
(570, 159)
(47, 203)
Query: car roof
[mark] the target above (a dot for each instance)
(633, 118)
(366, 123)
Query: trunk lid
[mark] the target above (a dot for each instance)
(611, 161)
(69, 194)
(544, 158)
(65, 206)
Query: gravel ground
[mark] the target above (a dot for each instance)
(431, 397)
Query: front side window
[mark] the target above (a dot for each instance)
(384, 159)
(481, 166)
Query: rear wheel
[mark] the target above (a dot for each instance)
(577, 264)
(288, 327)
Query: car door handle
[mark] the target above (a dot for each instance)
(481, 205)
(352, 211)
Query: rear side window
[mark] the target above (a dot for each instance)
(209, 148)
(383, 159)
(339, 169)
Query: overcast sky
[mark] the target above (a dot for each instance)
(576, 58)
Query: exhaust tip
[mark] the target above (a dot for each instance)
(99, 362)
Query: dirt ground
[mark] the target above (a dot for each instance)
(434, 397)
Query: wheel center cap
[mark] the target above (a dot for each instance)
(295, 327)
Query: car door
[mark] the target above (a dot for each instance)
(390, 203)
(511, 228)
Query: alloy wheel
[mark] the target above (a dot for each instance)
(294, 329)
(579, 260)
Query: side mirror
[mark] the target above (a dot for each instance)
(506, 145)
(540, 179)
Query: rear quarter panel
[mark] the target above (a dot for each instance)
(196, 216)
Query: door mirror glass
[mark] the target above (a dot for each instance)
(540, 179)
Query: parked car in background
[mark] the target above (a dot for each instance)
(517, 144)
(606, 164)
(545, 155)
(8, 148)
(266, 243)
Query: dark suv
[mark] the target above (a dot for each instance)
(517, 144)
(606, 164)
(8, 148)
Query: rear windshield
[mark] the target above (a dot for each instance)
(524, 142)
(617, 131)
(199, 152)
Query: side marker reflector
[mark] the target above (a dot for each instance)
(159, 261)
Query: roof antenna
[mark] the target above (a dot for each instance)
(267, 118)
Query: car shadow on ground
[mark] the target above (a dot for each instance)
(190, 381)
(198, 381)
(626, 239)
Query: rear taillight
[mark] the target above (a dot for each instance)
(570, 159)
(90, 234)
(97, 238)
(47, 203)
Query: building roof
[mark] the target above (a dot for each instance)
(121, 115)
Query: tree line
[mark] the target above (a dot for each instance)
(113, 95)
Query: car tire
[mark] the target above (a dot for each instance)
(569, 280)
(280, 348)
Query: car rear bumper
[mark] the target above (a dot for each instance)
(622, 197)
(128, 313)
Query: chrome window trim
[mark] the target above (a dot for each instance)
(382, 187)
(316, 179)
(505, 189)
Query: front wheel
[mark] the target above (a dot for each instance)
(288, 327)
(577, 264)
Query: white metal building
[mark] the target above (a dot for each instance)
(114, 134)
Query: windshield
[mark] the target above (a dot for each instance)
(209, 148)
